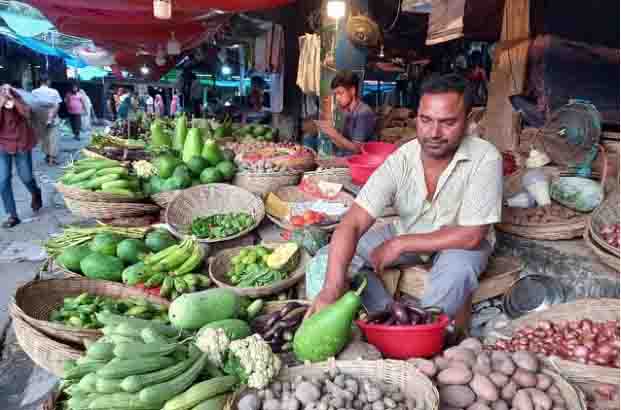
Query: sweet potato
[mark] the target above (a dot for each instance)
(502, 362)
(508, 392)
(454, 375)
(543, 381)
(483, 387)
(541, 401)
(500, 405)
(441, 363)
(522, 401)
(472, 344)
(526, 360)
(499, 379)
(457, 396)
(461, 354)
(426, 367)
(483, 364)
(479, 405)
(524, 378)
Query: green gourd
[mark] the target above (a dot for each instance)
(325, 334)
(181, 131)
(193, 145)
(158, 137)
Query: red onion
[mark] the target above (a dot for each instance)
(581, 351)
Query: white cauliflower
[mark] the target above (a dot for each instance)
(144, 169)
(253, 361)
(215, 343)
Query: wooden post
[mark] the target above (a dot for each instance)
(508, 76)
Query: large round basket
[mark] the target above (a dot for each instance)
(292, 194)
(109, 210)
(604, 256)
(220, 264)
(44, 351)
(210, 199)
(164, 198)
(607, 213)
(87, 195)
(262, 183)
(413, 384)
(35, 301)
(595, 309)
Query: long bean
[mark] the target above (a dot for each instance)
(74, 235)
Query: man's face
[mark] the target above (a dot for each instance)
(441, 123)
(344, 96)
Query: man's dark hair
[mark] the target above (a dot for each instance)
(346, 79)
(44, 79)
(447, 83)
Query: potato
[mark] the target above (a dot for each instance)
(457, 396)
(522, 401)
(508, 392)
(483, 387)
(455, 375)
(499, 379)
(557, 399)
(461, 354)
(479, 405)
(526, 360)
(426, 367)
(460, 364)
(543, 381)
(524, 378)
(447, 407)
(540, 399)
(553, 389)
(483, 364)
(500, 405)
(502, 362)
(441, 363)
(472, 344)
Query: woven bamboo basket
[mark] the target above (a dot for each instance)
(292, 194)
(595, 309)
(263, 183)
(413, 384)
(206, 200)
(335, 175)
(604, 256)
(606, 213)
(498, 277)
(164, 198)
(109, 210)
(219, 265)
(35, 301)
(574, 397)
(86, 195)
(44, 351)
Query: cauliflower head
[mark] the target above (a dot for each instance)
(144, 169)
(252, 360)
(215, 343)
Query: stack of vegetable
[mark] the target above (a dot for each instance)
(261, 266)
(187, 160)
(583, 341)
(100, 141)
(272, 157)
(251, 133)
(102, 175)
(81, 311)
(469, 377)
(220, 226)
(278, 328)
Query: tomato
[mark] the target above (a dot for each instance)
(298, 220)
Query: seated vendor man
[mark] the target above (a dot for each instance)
(447, 190)
(359, 120)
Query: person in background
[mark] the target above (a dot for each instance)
(128, 106)
(150, 104)
(174, 103)
(49, 143)
(17, 140)
(359, 120)
(196, 94)
(159, 105)
(112, 106)
(256, 113)
(76, 106)
(87, 115)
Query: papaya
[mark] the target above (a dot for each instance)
(212, 153)
(193, 145)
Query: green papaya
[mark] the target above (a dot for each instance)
(158, 137)
(193, 145)
(212, 152)
(181, 131)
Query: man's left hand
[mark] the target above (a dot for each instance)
(386, 254)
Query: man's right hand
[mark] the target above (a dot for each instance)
(324, 298)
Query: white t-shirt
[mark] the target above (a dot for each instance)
(47, 96)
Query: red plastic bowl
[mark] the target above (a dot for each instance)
(380, 149)
(362, 166)
(405, 342)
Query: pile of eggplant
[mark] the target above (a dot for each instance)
(277, 328)
(404, 312)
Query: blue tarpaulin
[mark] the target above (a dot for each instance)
(46, 49)
(25, 26)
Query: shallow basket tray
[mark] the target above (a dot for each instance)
(87, 195)
(335, 175)
(606, 213)
(210, 199)
(219, 265)
(43, 350)
(604, 256)
(598, 310)
(109, 210)
(262, 183)
(35, 301)
(164, 198)
(293, 194)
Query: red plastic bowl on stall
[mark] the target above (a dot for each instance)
(406, 342)
(362, 166)
(380, 149)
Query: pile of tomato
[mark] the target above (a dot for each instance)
(308, 218)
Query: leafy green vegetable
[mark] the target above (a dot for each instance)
(221, 225)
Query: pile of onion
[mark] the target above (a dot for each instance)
(611, 234)
(583, 341)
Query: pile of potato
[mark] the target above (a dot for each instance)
(470, 378)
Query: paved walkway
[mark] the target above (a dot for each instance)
(23, 385)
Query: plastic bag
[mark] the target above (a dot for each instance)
(39, 107)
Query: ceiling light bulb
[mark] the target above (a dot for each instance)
(162, 9)
(226, 70)
(336, 9)
(144, 70)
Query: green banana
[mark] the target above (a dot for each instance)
(157, 257)
(204, 280)
(167, 287)
(191, 281)
(180, 285)
(191, 263)
(175, 259)
(155, 280)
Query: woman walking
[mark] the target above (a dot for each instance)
(76, 106)
(17, 140)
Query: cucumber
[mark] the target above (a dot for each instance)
(119, 183)
(120, 401)
(132, 384)
(96, 183)
(150, 335)
(111, 170)
(201, 392)
(215, 403)
(125, 329)
(81, 402)
(82, 370)
(165, 391)
(120, 368)
(108, 386)
(133, 350)
(88, 383)
(79, 177)
(119, 191)
(112, 319)
(100, 351)
(123, 339)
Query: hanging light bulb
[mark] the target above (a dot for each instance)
(162, 9)
(173, 47)
(381, 53)
(144, 70)
(336, 9)
(226, 70)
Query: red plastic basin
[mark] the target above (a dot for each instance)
(380, 149)
(406, 342)
(362, 166)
